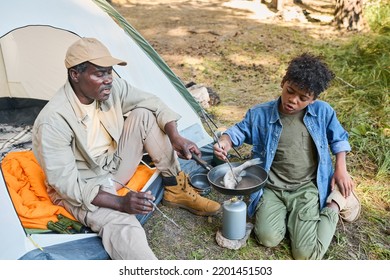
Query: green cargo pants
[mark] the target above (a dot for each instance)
(310, 230)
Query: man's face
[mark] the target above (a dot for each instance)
(93, 84)
(294, 99)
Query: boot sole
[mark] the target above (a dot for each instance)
(196, 212)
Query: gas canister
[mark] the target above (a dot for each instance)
(234, 218)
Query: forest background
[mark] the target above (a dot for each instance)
(240, 50)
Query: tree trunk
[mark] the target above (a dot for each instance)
(349, 14)
(277, 4)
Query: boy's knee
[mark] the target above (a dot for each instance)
(300, 254)
(268, 238)
(305, 253)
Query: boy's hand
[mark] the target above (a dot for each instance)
(343, 180)
(223, 146)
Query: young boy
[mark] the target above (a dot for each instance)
(292, 136)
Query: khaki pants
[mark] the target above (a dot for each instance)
(310, 230)
(141, 133)
(122, 235)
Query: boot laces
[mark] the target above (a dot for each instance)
(188, 189)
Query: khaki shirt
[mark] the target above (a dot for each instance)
(60, 140)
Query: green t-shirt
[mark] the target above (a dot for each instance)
(295, 161)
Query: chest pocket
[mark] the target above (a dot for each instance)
(307, 141)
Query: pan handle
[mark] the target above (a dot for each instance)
(202, 162)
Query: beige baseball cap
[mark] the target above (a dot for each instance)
(92, 50)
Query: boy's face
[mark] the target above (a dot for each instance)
(294, 99)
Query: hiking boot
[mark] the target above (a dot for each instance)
(184, 196)
(349, 207)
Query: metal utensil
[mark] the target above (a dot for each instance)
(207, 118)
(216, 140)
(154, 204)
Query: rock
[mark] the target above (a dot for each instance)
(201, 94)
(234, 244)
(204, 95)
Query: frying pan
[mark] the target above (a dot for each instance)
(254, 180)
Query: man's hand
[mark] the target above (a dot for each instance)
(185, 147)
(181, 145)
(131, 203)
(138, 202)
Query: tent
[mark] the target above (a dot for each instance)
(34, 36)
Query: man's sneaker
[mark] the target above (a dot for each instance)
(184, 196)
(349, 207)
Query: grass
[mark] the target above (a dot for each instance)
(361, 95)
(361, 98)
(244, 71)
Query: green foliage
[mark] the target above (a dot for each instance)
(377, 14)
(361, 94)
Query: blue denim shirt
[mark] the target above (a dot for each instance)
(261, 128)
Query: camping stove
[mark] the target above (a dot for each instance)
(234, 218)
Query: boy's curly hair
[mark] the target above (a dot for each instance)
(309, 73)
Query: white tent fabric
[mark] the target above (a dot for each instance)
(31, 67)
(34, 37)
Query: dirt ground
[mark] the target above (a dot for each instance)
(240, 50)
(200, 40)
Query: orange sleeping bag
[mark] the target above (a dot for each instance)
(25, 180)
